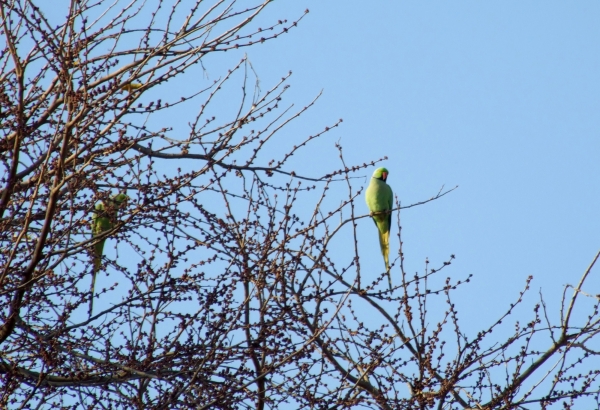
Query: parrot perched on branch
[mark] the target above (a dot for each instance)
(379, 199)
(103, 219)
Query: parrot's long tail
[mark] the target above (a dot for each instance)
(384, 243)
(97, 265)
(91, 309)
(97, 259)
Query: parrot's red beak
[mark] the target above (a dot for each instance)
(384, 175)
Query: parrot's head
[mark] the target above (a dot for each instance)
(120, 198)
(381, 173)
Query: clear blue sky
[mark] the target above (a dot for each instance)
(501, 98)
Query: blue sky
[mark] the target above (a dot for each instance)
(500, 98)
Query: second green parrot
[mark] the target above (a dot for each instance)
(103, 219)
(379, 199)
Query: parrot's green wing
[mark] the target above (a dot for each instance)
(379, 198)
(100, 223)
(119, 199)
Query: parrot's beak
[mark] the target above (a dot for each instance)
(384, 175)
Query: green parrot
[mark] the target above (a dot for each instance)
(379, 198)
(103, 220)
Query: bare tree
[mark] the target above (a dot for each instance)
(229, 279)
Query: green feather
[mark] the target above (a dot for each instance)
(103, 219)
(379, 198)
